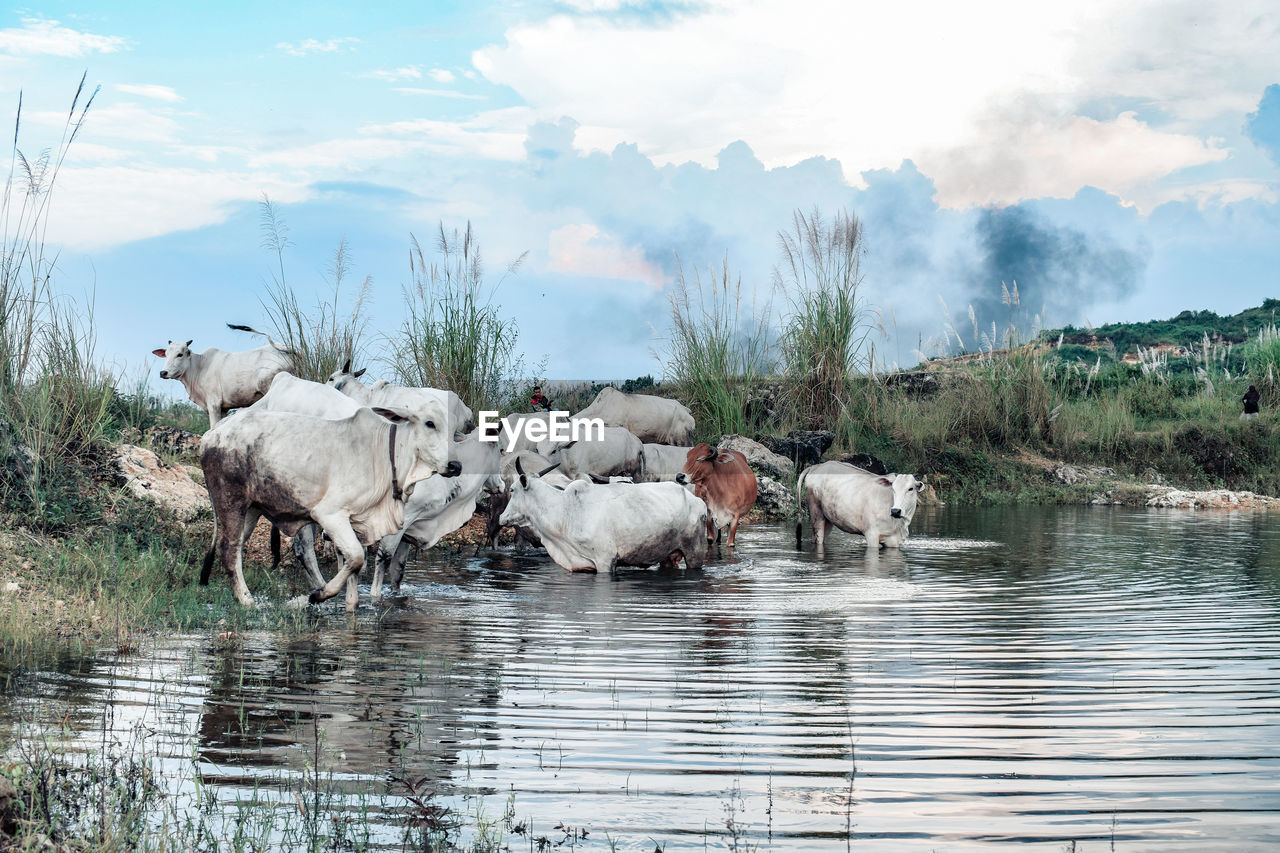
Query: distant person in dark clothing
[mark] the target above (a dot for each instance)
(539, 402)
(1250, 404)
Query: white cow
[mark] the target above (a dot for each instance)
(857, 501)
(218, 381)
(288, 393)
(616, 453)
(383, 393)
(655, 419)
(346, 475)
(438, 507)
(587, 528)
(663, 462)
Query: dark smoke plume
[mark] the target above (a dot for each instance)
(1059, 271)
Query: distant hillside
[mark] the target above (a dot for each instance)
(1187, 328)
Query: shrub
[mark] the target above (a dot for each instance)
(717, 351)
(454, 336)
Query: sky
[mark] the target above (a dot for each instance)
(1119, 161)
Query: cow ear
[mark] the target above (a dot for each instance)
(158, 352)
(346, 366)
(724, 458)
(359, 372)
(885, 482)
(394, 417)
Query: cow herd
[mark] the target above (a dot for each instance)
(396, 466)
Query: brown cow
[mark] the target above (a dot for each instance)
(725, 482)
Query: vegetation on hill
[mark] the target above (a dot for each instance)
(1187, 329)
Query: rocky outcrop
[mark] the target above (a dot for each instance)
(866, 462)
(1171, 498)
(774, 499)
(802, 447)
(1072, 474)
(761, 459)
(916, 383)
(146, 475)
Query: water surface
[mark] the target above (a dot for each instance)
(1028, 675)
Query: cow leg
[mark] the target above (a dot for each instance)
(397, 564)
(733, 530)
(304, 548)
(821, 527)
(215, 414)
(338, 526)
(234, 533)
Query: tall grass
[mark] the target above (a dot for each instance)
(1263, 363)
(824, 340)
(717, 351)
(54, 400)
(454, 335)
(322, 338)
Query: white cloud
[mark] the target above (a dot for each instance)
(150, 90)
(120, 121)
(105, 206)
(583, 249)
(308, 46)
(871, 85)
(1021, 155)
(42, 36)
(437, 93)
(393, 75)
(442, 75)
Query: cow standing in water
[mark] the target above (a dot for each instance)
(725, 481)
(590, 528)
(857, 501)
(218, 381)
(347, 475)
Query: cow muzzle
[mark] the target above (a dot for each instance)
(895, 512)
(164, 374)
(682, 479)
(453, 469)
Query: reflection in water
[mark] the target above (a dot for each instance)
(1014, 674)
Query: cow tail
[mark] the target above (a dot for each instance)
(800, 505)
(207, 567)
(279, 346)
(275, 547)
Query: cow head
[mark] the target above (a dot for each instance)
(906, 489)
(699, 463)
(523, 496)
(426, 439)
(340, 378)
(177, 358)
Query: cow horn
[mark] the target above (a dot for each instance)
(346, 366)
(707, 458)
(189, 342)
(570, 444)
(545, 471)
(598, 480)
(524, 481)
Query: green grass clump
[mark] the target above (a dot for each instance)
(717, 352)
(454, 335)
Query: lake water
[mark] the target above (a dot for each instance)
(1038, 676)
